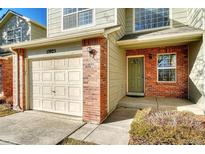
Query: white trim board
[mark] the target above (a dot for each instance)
(134, 56)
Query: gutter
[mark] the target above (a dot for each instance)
(16, 105)
(55, 40)
(160, 38)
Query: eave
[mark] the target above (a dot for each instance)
(161, 40)
(55, 40)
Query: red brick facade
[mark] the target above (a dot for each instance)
(95, 80)
(152, 87)
(7, 76)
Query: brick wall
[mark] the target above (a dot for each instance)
(94, 80)
(152, 87)
(7, 76)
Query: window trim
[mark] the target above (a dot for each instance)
(167, 68)
(13, 29)
(151, 29)
(78, 27)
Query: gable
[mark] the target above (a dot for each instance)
(14, 23)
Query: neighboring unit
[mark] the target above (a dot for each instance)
(92, 58)
(14, 28)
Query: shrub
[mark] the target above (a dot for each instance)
(2, 99)
(166, 127)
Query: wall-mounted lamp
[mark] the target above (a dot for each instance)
(150, 56)
(92, 52)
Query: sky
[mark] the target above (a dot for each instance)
(36, 14)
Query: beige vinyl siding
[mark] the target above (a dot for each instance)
(61, 49)
(104, 17)
(196, 17)
(37, 32)
(129, 20)
(121, 20)
(179, 17)
(196, 69)
(117, 64)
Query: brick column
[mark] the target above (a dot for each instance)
(95, 80)
(20, 89)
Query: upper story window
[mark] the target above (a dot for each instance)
(14, 35)
(77, 17)
(150, 18)
(166, 67)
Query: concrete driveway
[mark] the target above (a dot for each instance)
(36, 128)
(114, 131)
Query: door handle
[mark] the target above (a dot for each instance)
(53, 91)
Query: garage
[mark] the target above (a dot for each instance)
(56, 85)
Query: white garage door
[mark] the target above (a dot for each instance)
(56, 85)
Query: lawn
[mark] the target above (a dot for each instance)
(71, 141)
(5, 110)
(167, 127)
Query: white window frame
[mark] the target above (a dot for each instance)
(77, 27)
(14, 38)
(167, 68)
(152, 29)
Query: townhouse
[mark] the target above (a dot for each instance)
(92, 58)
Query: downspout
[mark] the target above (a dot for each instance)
(16, 105)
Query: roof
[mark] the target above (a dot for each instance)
(5, 53)
(165, 37)
(55, 40)
(169, 31)
(10, 13)
(86, 34)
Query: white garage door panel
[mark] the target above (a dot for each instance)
(60, 76)
(56, 85)
(37, 104)
(75, 107)
(47, 105)
(75, 92)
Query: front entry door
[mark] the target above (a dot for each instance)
(136, 76)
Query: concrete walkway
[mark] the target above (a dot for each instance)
(36, 128)
(114, 131)
(153, 102)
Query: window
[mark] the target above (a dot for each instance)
(14, 35)
(76, 17)
(150, 18)
(167, 67)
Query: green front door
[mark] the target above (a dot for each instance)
(136, 76)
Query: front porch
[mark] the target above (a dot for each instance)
(164, 66)
(164, 103)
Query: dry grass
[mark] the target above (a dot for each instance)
(5, 110)
(71, 141)
(167, 127)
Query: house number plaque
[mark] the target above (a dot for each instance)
(49, 51)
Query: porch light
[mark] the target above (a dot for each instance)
(150, 56)
(92, 52)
